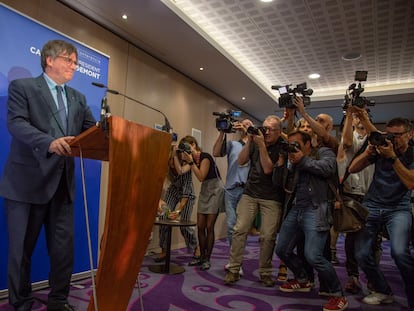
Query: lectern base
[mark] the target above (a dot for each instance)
(174, 269)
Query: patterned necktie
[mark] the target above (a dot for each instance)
(61, 107)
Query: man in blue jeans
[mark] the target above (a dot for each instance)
(389, 202)
(305, 177)
(236, 175)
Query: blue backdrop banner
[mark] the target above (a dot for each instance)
(22, 40)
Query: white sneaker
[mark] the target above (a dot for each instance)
(378, 298)
(227, 266)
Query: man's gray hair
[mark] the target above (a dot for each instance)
(54, 48)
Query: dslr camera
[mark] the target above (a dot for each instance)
(353, 93)
(184, 147)
(287, 94)
(254, 130)
(288, 147)
(225, 120)
(379, 139)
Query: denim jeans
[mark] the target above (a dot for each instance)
(299, 222)
(231, 199)
(398, 224)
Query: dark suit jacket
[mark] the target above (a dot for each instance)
(31, 173)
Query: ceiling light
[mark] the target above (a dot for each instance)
(124, 16)
(243, 98)
(266, 0)
(201, 68)
(351, 56)
(314, 76)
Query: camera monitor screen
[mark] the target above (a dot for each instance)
(361, 75)
(235, 114)
(282, 90)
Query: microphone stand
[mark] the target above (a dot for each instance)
(104, 113)
(166, 127)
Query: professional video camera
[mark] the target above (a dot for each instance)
(254, 130)
(287, 94)
(288, 147)
(184, 147)
(353, 93)
(225, 120)
(379, 139)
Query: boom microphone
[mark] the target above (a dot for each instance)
(99, 85)
(167, 127)
(105, 87)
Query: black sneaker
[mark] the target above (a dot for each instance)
(205, 265)
(195, 262)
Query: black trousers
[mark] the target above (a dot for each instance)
(25, 222)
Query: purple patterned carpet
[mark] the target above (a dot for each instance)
(196, 290)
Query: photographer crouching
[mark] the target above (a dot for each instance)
(389, 202)
(304, 175)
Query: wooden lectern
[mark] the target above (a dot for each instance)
(138, 162)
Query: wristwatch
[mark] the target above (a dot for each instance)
(392, 159)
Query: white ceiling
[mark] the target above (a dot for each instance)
(247, 46)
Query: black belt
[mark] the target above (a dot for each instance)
(239, 185)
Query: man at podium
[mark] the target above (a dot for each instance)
(44, 116)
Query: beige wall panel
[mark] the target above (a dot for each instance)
(186, 104)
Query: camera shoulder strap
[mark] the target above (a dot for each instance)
(360, 150)
(223, 149)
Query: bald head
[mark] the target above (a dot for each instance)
(325, 120)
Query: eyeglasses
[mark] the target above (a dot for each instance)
(270, 129)
(69, 61)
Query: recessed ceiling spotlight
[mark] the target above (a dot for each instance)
(124, 16)
(266, 0)
(314, 76)
(351, 56)
(243, 98)
(201, 68)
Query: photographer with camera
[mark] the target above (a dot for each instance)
(262, 149)
(236, 175)
(319, 129)
(179, 199)
(388, 200)
(204, 168)
(304, 175)
(357, 127)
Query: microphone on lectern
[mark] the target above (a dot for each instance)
(104, 108)
(167, 126)
(99, 84)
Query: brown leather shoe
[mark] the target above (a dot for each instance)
(267, 280)
(231, 278)
(352, 285)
